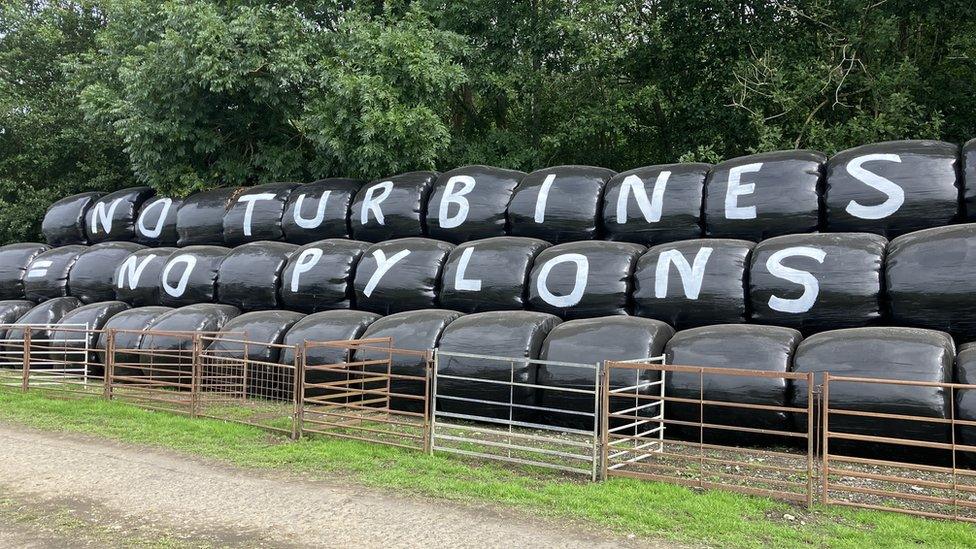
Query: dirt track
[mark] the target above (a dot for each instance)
(139, 492)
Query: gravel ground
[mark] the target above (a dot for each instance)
(124, 492)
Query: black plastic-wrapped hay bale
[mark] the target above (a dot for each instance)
(46, 314)
(47, 275)
(418, 331)
(764, 195)
(92, 275)
(113, 216)
(694, 282)
(137, 278)
(470, 203)
(14, 260)
(584, 279)
(655, 204)
(816, 282)
(394, 207)
(908, 354)
(64, 221)
(169, 345)
(319, 276)
(319, 210)
(592, 341)
(10, 311)
(733, 346)
(321, 327)
(200, 219)
(129, 327)
(559, 204)
(969, 180)
(190, 275)
(893, 188)
(263, 331)
(929, 282)
(250, 275)
(490, 274)
(156, 223)
(256, 214)
(400, 275)
(966, 400)
(509, 334)
(73, 337)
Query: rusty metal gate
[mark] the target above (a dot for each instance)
(55, 358)
(931, 480)
(700, 449)
(366, 390)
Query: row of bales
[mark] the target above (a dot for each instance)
(908, 353)
(811, 282)
(886, 188)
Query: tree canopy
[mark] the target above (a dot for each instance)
(190, 94)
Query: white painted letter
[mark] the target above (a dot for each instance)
(306, 260)
(446, 220)
(579, 286)
(39, 268)
(187, 259)
(165, 204)
(131, 269)
(466, 284)
(371, 204)
(540, 201)
(896, 195)
(735, 190)
(249, 209)
(691, 275)
(650, 208)
(103, 216)
(382, 265)
(319, 212)
(811, 287)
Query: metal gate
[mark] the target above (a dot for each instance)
(693, 445)
(366, 390)
(514, 428)
(57, 358)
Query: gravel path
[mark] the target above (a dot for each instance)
(123, 488)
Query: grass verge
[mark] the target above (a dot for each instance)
(648, 509)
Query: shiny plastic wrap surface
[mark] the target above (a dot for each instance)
(559, 204)
(92, 275)
(190, 275)
(47, 275)
(10, 311)
(74, 334)
(319, 210)
(257, 213)
(202, 317)
(113, 216)
(929, 280)
(734, 346)
(14, 260)
(893, 188)
(64, 221)
(256, 327)
(400, 275)
(131, 325)
(319, 276)
(909, 354)
(491, 274)
(816, 282)
(469, 203)
(156, 223)
(325, 326)
(584, 279)
(592, 341)
(510, 334)
(694, 282)
(764, 195)
(250, 275)
(966, 400)
(48, 313)
(655, 204)
(137, 278)
(200, 219)
(393, 207)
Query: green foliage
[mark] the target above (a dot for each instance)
(187, 94)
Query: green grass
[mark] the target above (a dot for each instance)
(650, 509)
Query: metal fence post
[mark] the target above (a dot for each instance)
(298, 417)
(824, 448)
(26, 352)
(811, 434)
(604, 414)
(109, 363)
(196, 372)
(432, 403)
